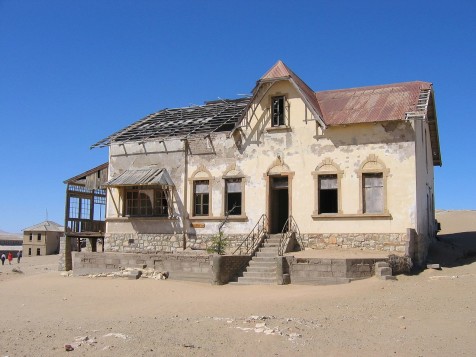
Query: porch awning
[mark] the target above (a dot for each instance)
(141, 177)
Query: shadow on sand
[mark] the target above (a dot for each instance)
(451, 250)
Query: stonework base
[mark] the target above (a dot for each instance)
(390, 242)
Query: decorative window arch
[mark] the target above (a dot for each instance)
(233, 192)
(327, 188)
(373, 176)
(201, 197)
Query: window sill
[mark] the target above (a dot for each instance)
(135, 218)
(278, 129)
(219, 218)
(337, 216)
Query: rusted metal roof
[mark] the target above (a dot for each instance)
(141, 177)
(370, 104)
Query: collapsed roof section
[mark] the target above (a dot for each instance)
(400, 101)
(181, 123)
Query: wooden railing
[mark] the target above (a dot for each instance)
(78, 225)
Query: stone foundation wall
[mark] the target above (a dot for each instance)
(391, 242)
(168, 243)
(316, 270)
(180, 266)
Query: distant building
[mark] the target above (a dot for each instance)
(42, 238)
(10, 242)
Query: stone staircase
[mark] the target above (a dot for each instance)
(262, 267)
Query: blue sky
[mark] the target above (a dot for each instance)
(73, 72)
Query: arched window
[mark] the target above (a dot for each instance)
(373, 186)
(233, 193)
(201, 199)
(327, 186)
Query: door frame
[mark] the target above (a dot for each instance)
(268, 177)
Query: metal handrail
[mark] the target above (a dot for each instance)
(290, 228)
(254, 238)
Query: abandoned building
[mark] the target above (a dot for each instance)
(349, 168)
(42, 238)
(10, 242)
(85, 213)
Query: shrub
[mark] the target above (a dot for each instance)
(218, 244)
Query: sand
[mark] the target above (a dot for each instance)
(432, 313)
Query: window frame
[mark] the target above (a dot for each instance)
(38, 237)
(320, 193)
(282, 114)
(226, 198)
(366, 206)
(200, 174)
(232, 173)
(373, 165)
(202, 196)
(155, 210)
(327, 168)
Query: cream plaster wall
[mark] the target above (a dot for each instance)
(252, 151)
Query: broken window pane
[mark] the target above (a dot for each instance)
(328, 196)
(233, 197)
(277, 111)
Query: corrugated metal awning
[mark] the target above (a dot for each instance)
(141, 177)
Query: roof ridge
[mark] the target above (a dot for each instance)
(373, 86)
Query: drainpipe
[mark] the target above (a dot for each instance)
(185, 194)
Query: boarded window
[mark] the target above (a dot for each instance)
(201, 198)
(328, 197)
(373, 193)
(233, 196)
(278, 111)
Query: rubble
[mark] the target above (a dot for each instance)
(133, 273)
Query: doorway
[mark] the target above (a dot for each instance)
(278, 208)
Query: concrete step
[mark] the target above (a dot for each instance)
(262, 268)
(272, 241)
(269, 254)
(256, 281)
(261, 265)
(258, 274)
(263, 260)
(268, 249)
